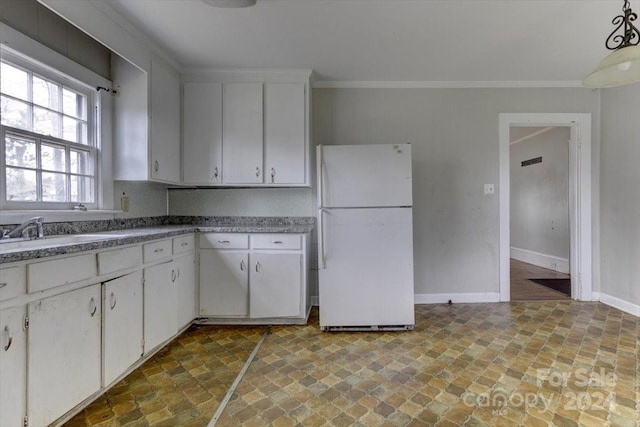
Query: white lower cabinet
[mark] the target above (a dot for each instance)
(122, 324)
(64, 353)
(13, 366)
(276, 285)
(185, 289)
(224, 283)
(261, 276)
(160, 313)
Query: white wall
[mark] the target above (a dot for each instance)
(620, 196)
(454, 133)
(540, 194)
(145, 198)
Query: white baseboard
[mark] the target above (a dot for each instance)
(561, 265)
(457, 298)
(618, 303)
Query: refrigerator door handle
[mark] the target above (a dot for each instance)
(322, 260)
(319, 166)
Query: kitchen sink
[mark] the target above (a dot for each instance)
(49, 241)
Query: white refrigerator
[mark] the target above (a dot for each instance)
(365, 237)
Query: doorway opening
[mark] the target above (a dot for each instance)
(579, 197)
(539, 213)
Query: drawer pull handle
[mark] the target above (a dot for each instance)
(9, 338)
(184, 244)
(173, 276)
(92, 303)
(258, 267)
(3, 284)
(277, 242)
(158, 250)
(257, 171)
(113, 301)
(242, 265)
(224, 242)
(156, 166)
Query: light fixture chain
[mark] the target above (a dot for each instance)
(630, 35)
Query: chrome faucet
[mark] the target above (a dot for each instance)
(22, 230)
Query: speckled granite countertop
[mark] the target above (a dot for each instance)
(73, 238)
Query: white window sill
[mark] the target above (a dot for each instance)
(19, 216)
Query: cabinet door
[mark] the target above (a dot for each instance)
(202, 135)
(64, 353)
(224, 283)
(160, 313)
(122, 325)
(242, 133)
(165, 123)
(285, 160)
(186, 289)
(276, 285)
(13, 367)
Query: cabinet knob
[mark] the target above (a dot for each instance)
(9, 338)
(3, 284)
(214, 177)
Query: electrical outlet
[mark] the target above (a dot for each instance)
(124, 203)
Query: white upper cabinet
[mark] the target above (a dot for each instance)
(165, 123)
(146, 122)
(242, 133)
(284, 139)
(238, 132)
(202, 133)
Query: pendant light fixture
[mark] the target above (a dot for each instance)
(622, 66)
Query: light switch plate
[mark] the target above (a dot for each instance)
(489, 189)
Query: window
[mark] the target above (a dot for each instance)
(49, 154)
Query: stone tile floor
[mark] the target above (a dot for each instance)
(528, 363)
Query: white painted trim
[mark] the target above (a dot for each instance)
(364, 84)
(22, 45)
(580, 195)
(457, 298)
(617, 303)
(531, 135)
(550, 262)
(315, 301)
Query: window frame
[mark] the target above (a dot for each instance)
(93, 140)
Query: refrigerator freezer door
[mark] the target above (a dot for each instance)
(365, 175)
(368, 274)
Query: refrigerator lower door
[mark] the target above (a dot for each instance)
(367, 279)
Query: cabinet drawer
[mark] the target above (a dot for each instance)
(224, 241)
(156, 250)
(119, 259)
(49, 274)
(184, 244)
(12, 282)
(276, 241)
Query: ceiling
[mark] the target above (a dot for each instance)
(385, 40)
